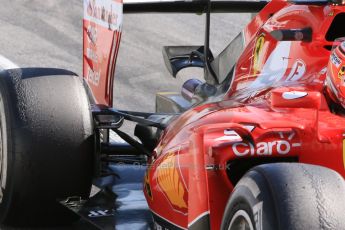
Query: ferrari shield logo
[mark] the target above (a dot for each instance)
(257, 52)
(341, 73)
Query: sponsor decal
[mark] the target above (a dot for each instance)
(335, 60)
(170, 182)
(91, 54)
(257, 51)
(341, 73)
(100, 213)
(93, 77)
(297, 71)
(106, 13)
(257, 211)
(92, 34)
(266, 148)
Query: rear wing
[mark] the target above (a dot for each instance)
(200, 6)
(103, 25)
(196, 6)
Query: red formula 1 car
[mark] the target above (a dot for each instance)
(258, 145)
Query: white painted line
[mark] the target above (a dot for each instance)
(6, 64)
(198, 218)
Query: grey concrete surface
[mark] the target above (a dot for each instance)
(141, 71)
(49, 34)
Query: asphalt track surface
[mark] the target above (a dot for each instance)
(49, 34)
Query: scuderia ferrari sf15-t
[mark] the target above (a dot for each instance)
(258, 144)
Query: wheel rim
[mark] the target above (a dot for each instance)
(3, 153)
(241, 221)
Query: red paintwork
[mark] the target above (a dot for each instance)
(101, 40)
(181, 186)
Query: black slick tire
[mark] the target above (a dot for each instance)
(46, 145)
(287, 196)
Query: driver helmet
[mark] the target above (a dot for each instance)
(335, 80)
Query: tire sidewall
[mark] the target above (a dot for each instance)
(239, 204)
(6, 137)
(254, 197)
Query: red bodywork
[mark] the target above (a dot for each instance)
(276, 108)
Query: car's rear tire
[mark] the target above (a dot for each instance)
(287, 196)
(46, 145)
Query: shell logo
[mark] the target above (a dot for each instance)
(169, 180)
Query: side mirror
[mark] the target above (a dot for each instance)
(177, 58)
